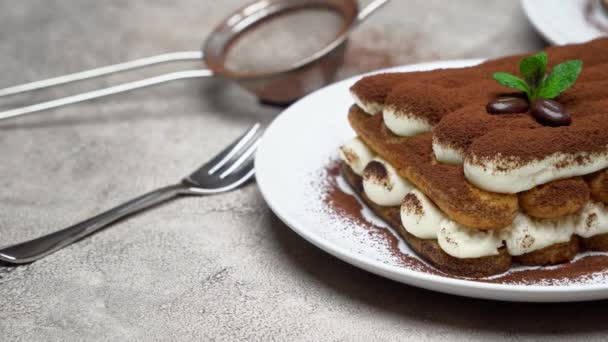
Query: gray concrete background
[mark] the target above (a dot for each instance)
(215, 268)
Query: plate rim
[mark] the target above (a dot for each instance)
(462, 287)
(531, 10)
(528, 7)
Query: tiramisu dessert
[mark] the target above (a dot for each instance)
(484, 167)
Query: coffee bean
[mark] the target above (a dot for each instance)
(550, 113)
(507, 105)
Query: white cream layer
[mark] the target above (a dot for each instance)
(505, 175)
(356, 154)
(404, 124)
(502, 175)
(593, 220)
(388, 190)
(463, 242)
(420, 215)
(447, 154)
(524, 235)
(528, 234)
(369, 107)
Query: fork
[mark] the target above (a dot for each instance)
(227, 171)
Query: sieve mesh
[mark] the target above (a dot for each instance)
(281, 41)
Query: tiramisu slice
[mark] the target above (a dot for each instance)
(477, 174)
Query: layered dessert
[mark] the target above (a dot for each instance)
(484, 167)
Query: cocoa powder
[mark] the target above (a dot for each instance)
(462, 127)
(556, 198)
(460, 95)
(347, 206)
(528, 144)
(376, 87)
(412, 202)
(570, 272)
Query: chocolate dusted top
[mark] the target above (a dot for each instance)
(376, 87)
(411, 99)
(412, 203)
(376, 171)
(584, 95)
(459, 129)
(524, 145)
(471, 81)
(458, 97)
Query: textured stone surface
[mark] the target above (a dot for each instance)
(215, 268)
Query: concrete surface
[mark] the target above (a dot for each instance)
(215, 268)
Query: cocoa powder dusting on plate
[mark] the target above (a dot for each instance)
(347, 206)
(586, 267)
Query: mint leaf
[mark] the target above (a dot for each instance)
(537, 83)
(562, 77)
(533, 69)
(511, 81)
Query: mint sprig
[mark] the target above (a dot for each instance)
(536, 83)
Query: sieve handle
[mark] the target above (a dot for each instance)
(180, 75)
(369, 9)
(97, 72)
(121, 88)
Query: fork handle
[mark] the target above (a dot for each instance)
(38, 248)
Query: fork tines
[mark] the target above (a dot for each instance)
(231, 164)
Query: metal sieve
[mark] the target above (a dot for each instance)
(283, 85)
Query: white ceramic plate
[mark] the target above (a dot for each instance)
(566, 22)
(299, 145)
